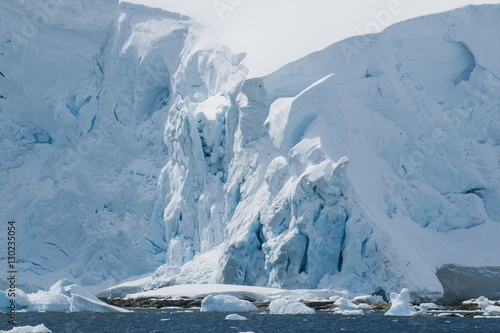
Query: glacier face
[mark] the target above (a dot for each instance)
(365, 166)
(83, 85)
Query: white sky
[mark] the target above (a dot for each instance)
(276, 32)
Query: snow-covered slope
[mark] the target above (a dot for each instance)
(365, 166)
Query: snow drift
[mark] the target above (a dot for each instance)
(365, 166)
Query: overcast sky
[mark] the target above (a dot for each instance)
(275, 32)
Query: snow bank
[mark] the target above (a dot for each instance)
(29, 329)
(285, 306)
(66, 296)
(235, 316)
(226, 303)
(400, 304)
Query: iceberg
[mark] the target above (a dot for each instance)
(235, 316)
(400, 304)
(348, 308)
(65, 296)
(226, 303)
(488, 308)
(29, 329)
(428, 306)
(20, 297)
(285, 306)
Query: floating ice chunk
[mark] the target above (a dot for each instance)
(64, 296)
(284, 306)
(345, 304)
(80, 303)
(226, 303)
(365, 307)
(348, 308)
(450, 314)
(428, 306)
(20, 297)
(488, 308)
(235, 316)
(350, 312)
(400, 304)
(22, 300)
(49, 301)
(29, 329)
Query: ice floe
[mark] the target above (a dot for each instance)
(285, 306)
(66, 296)
(226, 303)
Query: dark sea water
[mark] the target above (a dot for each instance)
(171, 320)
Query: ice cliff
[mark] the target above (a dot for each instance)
(82, 88)
(365, 166)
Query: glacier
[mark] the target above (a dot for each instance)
(81, 136)
(366, 166)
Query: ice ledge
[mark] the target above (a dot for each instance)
(461, 283)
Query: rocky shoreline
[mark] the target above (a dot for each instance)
(186, 303)
(144, 302)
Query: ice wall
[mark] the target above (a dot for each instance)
(84, 93)
(365, 166)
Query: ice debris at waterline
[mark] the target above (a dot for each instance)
(285, 306)
(400, 304)
(29, 329)
(348, 308)
(428, 306)
(66, 296)
(235, 316)
(226, 303)
(200, 291)
(488, 308)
